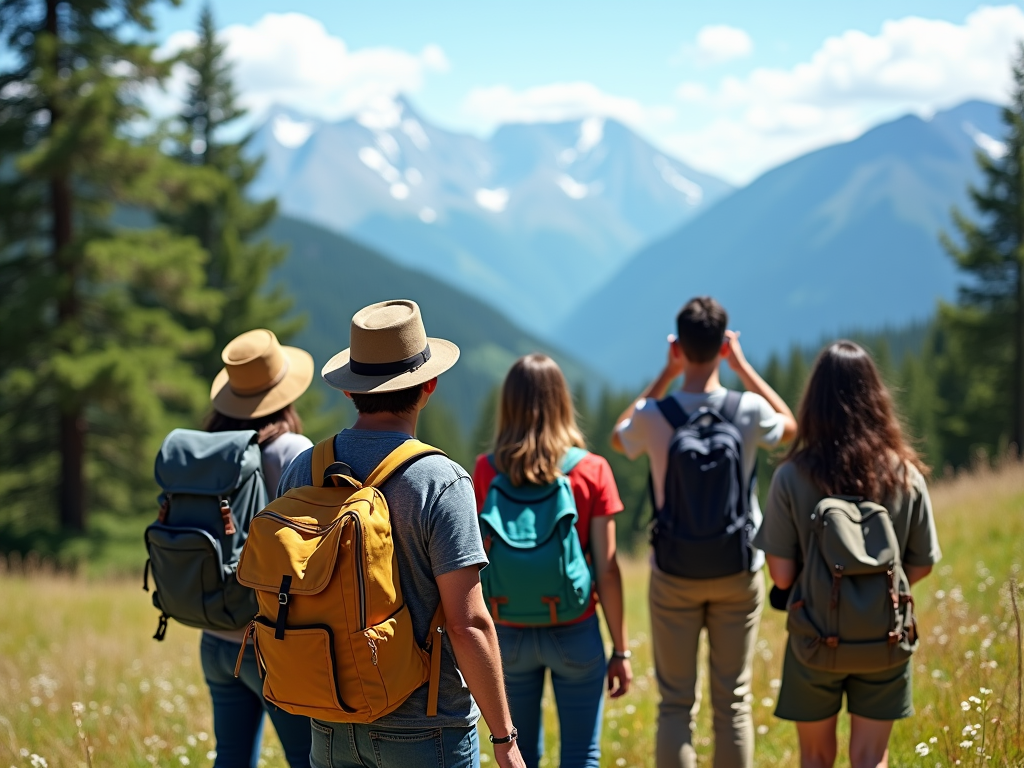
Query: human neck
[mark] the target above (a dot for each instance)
(388, 422)
(702, 377)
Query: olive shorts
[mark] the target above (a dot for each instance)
(808, 695)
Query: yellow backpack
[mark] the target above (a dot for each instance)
(333, 637)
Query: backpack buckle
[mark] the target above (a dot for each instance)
(282, 598)
(225, 514)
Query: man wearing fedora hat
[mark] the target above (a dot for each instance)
(390, 371)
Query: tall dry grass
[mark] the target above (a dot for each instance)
(67, 640)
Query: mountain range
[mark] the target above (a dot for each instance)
(587, 239)
(843, 238)
(531, 220)
(331, 277)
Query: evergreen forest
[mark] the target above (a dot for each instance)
(131, 251)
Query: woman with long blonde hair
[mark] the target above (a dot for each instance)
(536, 434)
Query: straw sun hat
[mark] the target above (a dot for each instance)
(389, 351)
(260, 376)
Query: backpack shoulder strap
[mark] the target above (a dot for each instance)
(573, 457)
(323, 457)
(731, 407)
(672, 411)
(398, 458)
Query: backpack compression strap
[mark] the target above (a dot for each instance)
(434, 646)
(398, 458)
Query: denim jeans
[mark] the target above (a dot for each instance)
(238, 707)
(347, 745)
(575, 655)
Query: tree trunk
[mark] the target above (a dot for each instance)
(72, 423)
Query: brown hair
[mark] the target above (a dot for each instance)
(536, 422)
(849, 439)
(700, 329)
(268, 427)
(399, 401)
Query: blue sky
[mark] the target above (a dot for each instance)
(730, 87)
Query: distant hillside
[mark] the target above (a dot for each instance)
(530, 220)
(844, 237)
(331, 277)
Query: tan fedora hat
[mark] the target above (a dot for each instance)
(389, 351)
(260, 376)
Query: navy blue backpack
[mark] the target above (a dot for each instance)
(703, 530)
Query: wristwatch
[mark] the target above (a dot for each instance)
(627, 654)
(512, 736)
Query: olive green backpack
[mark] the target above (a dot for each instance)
(851, 610)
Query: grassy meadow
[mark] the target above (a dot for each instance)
(78, 670)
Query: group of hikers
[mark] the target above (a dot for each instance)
(375, 600)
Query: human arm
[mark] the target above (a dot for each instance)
(782, 570)
(657, 389)
(916, 572)
(475, 643)
(753, 382)
(609, 590)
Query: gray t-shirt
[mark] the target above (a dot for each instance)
(435, 529)
(647, 431)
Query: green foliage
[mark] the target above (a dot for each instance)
(226, 223)
(92, 367)
(980, 347)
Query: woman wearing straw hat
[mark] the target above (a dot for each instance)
(257, 389)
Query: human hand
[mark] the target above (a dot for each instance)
(508, 756)
(620, 677)
(676, 361)
(733, 352)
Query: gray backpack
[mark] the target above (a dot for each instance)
(212, 488)
(851, 610)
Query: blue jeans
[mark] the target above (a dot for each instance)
(347, 745)
(238, 707)
(575, 656)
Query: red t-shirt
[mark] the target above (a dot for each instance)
(593, 488)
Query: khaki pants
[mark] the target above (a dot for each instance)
(730, 608)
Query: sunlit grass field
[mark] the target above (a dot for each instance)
(76, 650)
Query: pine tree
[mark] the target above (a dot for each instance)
(90, 367)
(984, 332)
(229, 224)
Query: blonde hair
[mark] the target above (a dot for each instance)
(536, 422)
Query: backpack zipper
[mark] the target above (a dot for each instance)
(360, 576)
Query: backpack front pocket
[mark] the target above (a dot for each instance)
(402, 666)
(307, 652)
(192, 580)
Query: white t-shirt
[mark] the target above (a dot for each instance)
(277, 455)
(648, 432)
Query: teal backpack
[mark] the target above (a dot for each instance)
(537, 575)
(212, 486)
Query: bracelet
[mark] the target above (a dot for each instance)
(627, 654)
(512, 736)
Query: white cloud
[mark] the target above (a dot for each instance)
(493, 200)
(851, 82)
(719, 43)
(555, 102)
(292, 60)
